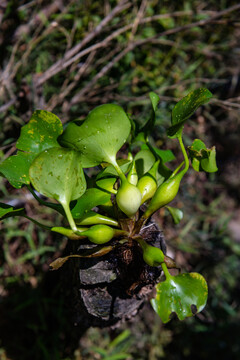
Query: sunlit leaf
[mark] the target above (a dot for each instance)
(180, 294)
(106, 184)
(16, 168)
(93, 218)
(57, 173)
(99, 138)
(40, 133)
(185, 108)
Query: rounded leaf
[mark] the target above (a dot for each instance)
(57, 173)
(40, 133)
(99, 138)
(177, 294)
(16, 168)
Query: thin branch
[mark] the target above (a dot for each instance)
(226, 103)
(61, 64)
(5, 107)
(138, 18)
(78, 97)
(73, 55)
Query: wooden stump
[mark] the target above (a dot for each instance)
(111, 289)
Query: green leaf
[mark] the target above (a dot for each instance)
(9, 211)
(148, 127)
(40, 133)
(16, 168)
(99, 138)
(106, 184)
(165, 155)
(144, 160)
(178, 293)
(177, 214)
(208, 163)
(109, 170)
(57, 173)
(92, 218)
(92, 197)
(203, 159)
(185, 108)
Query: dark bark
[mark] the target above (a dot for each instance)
(112, 289)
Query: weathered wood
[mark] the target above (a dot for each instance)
(112, 289)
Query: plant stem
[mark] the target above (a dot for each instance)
(176, 170)
(69, 216)
(166, 272)
(119, 171)
(55, 207)
(37, 223)
(184, 154)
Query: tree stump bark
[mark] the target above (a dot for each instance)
(111, 289)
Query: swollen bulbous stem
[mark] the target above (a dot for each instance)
(148, 184)
(165, 193)
(128, 198)
(99, 234)
(151, 255)
(69, 233)
(93, 218)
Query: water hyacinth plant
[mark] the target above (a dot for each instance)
(54, 163)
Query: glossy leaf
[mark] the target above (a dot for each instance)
(69, 233)
(144, 161)
(165, 155)
(177, 214)
(109, 170)
(106, 184)
(93, 218)
(9, 211)
(57, 173)
(99, 138)
(16, 169)
(178, 293)
(40, 133)
(185, 108)
(92, 197)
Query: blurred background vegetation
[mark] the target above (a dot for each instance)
(68, 57)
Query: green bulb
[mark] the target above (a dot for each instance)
(147, 186)
(151, 255)
(128, 198)
(165, 193)
(99, 234)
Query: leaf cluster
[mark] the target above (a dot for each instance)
(54, 162)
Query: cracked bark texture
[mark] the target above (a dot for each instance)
(109, 290)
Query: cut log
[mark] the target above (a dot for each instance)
(112, 289)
